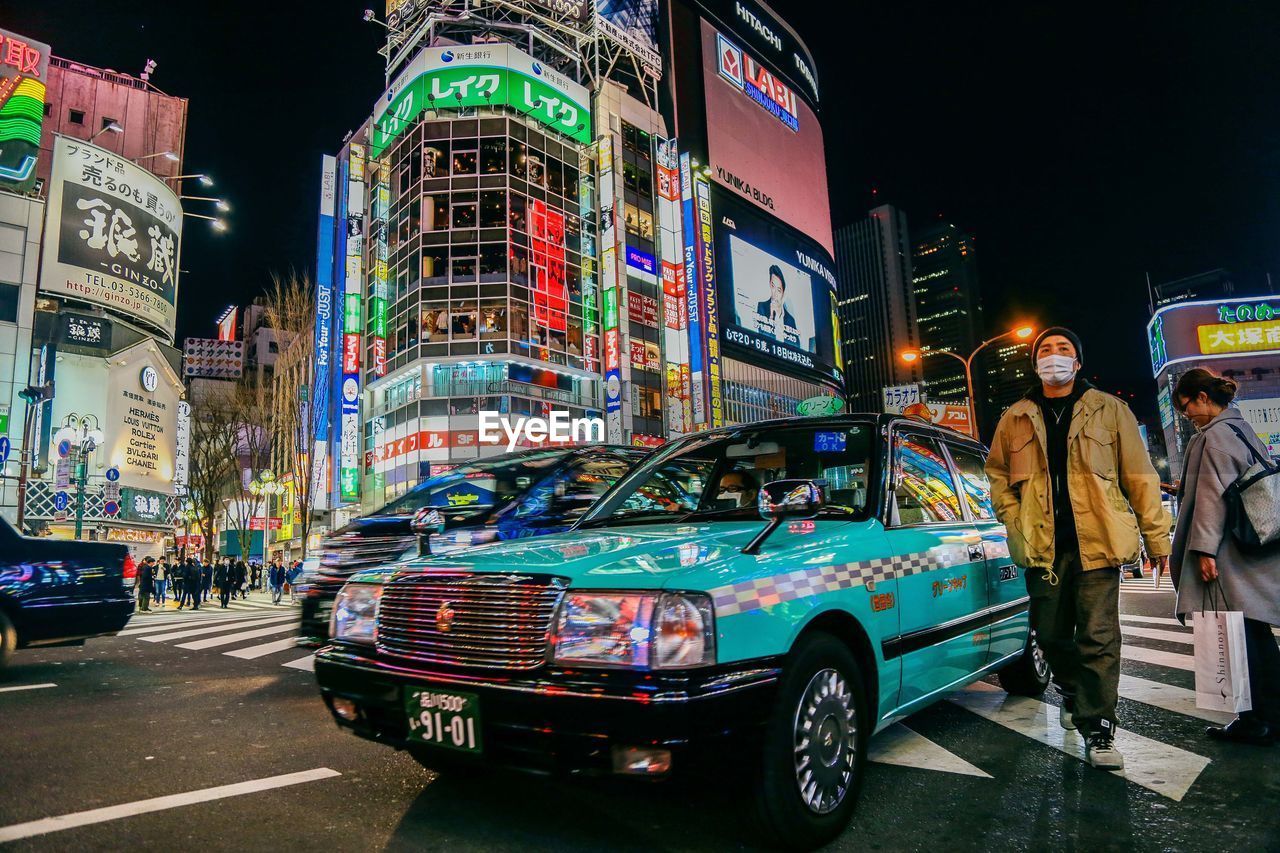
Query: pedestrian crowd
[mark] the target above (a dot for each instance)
(191, 582)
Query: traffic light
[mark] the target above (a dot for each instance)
(33, 394)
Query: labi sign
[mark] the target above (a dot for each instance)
(482, 75)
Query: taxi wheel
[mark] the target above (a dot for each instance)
(8, 640)
(1029, 675)
(814, 746)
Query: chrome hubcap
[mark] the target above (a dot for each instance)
(825, 741)
(1038, 659)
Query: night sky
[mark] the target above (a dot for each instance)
(1084, 147)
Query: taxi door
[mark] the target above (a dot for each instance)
(1006, 590)
(942, 575)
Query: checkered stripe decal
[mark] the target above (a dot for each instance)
(766, 592)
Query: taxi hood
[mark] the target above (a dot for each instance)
(692, 556)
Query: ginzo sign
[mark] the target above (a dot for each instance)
(482, 75)
(113, 234)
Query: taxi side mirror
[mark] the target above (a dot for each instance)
(782, 500)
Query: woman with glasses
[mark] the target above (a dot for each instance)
(1206, 555)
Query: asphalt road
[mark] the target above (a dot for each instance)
(225, 724)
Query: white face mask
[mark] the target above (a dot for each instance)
(729, 496)
(1056, 370)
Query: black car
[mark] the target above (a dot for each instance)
(58, 592)
(512, 496)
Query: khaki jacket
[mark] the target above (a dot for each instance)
(1115, 492)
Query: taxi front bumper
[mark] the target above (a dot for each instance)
(556, 720)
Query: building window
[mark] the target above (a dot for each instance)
(107, 122)
(48, 109)
(9, 302)
(75, 116)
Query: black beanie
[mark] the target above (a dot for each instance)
(1064, 332)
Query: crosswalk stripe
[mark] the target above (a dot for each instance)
(224, 626)
(227, 639)
(264, 649)
(1154, 620)
(1156, 656)
(1157, 766)
(1157, 634)
(308, 663)
(1170, 698)
(904, 747)
(176, 623)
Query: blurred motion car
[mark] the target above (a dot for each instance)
(60, 592)
(769, 595)
(511, 496)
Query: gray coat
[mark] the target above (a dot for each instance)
(1215, 459)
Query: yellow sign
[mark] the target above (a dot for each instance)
(129, 534)
(1239, 337)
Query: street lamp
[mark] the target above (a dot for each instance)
(911, 356)
(84, 439)
(168, 155)
(205, 180)
(218, 224)
(110, 126)
(219, 203)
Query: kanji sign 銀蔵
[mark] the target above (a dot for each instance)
(113, 234)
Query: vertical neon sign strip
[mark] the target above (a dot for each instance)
(378, 280)
(707, 284)
(693, 280)
(349, 470)
(324, 297)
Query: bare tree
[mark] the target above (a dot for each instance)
(249, 408)
(298, 404)
(214, 472)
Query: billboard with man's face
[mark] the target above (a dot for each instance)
(777, 292)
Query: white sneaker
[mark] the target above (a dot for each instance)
(1066, 718)
(1101, 752)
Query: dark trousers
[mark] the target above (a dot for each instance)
(1077, 624)
(224, 594)
(144, 597)
(1264, 670)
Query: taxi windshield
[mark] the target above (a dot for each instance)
(718, 477)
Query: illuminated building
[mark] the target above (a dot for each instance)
(515, 230)
(877, 305)
(1238, 338)
(949, 309)
(1007, 374)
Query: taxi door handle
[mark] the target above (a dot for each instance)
(976, 552)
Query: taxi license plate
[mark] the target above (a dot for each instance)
(444, 718)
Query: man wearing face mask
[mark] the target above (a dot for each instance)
(1072, 482)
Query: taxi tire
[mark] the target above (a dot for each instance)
(1025, 676)
(780, 813)
(8, 640)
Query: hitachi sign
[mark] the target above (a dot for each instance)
(758, 25)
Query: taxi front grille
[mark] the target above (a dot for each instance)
(348, 553)
(468, 620)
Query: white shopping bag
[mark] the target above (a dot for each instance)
(1222, 667)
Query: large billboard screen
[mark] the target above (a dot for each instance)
(113, 234)
(764, 141)
(1227, 328)
(777, 291)
(24, 73)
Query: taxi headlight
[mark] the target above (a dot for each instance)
(355, 613)
(638, 630)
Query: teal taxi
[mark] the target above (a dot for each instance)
(773, 593)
